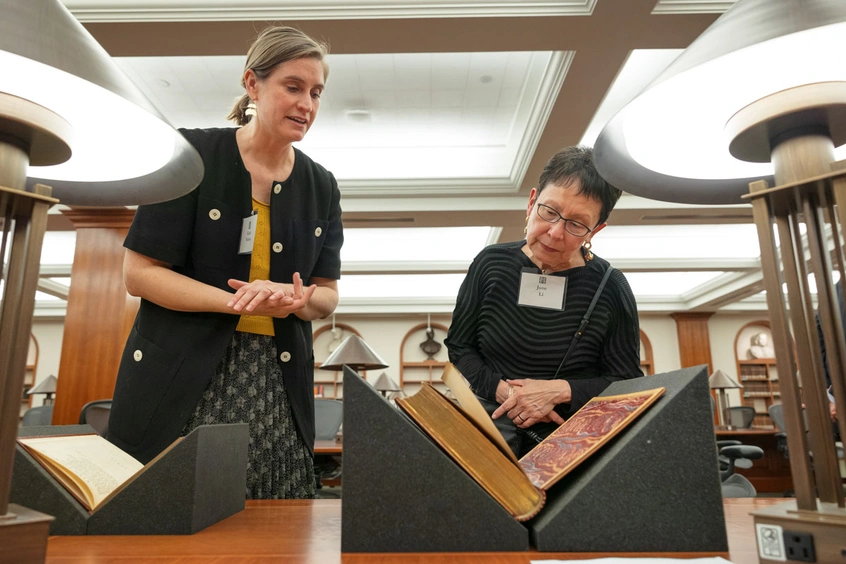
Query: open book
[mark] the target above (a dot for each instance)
(91, 468)
(469, 436)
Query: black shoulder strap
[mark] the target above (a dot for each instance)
(585, 320)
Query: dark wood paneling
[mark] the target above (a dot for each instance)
(694, 340)
(99, 313)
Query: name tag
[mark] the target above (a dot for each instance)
(248, 234)
(540, 290)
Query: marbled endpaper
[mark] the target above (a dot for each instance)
(590, 428)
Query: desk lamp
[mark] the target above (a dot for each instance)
(760, 99)
(47, 387)
(721, 382)
(356, 354)
(72, 127)
(385, 384)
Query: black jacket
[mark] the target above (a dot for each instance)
(171, 356)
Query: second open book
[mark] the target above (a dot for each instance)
(469, 436)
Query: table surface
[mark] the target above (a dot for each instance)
(309, 531)
(327, 447)
(751, 431)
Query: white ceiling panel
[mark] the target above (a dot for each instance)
(386, 118)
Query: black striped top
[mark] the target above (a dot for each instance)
(492, 338)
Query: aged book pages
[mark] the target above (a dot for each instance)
(89, 466)
(473, 409)
(505, 481)
(518, 486)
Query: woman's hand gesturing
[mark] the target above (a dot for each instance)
(264, 297)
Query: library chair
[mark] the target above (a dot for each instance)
(96, 414)
(741, 416)
(328, 416)
(37, 416)
(777, 415)
(734, 456)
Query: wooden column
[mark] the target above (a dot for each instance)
(694, 340)
(99, 314)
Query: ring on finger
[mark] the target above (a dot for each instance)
(521, 418)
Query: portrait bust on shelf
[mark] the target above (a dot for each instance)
(761, 347)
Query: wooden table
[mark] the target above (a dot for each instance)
(328, 447)
(309, 531)
(768, 474)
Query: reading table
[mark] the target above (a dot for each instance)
(309, 531)
(328, 447)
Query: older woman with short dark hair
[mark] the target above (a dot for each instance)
(517, 332)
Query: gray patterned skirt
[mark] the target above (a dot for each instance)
(247, 388)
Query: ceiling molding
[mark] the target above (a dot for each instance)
(232, 10)
(405, 267)
(387, 306)
(692, 6)
(724, 290)
(550, 87)
(54, 271)
(685, 264)
(426, 186)
(53, 288)
(50, 310)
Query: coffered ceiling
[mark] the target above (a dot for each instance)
(437, 120)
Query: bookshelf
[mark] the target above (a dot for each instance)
(757, 374)
(415, 366)
(324, 340)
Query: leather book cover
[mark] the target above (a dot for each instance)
(596, 423)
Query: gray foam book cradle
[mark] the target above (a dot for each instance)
(653, 488)
(199, 482)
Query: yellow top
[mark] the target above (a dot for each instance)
(259, 270)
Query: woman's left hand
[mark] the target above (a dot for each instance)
(534, 401)
(264, 297)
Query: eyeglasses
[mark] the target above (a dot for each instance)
(572, 226)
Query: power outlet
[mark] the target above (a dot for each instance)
(799, 546)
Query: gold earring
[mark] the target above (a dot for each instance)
(251, 109)
(588, 255)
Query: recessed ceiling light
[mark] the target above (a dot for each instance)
(486, 79)
(358, 116)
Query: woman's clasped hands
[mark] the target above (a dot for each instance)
(529, 401)
(264, 297)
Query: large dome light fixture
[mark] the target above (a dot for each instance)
(73, 126)
(672, 142)
(122, 150)
(760, 98)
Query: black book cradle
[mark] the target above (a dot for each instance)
(198, 482)
(653, 488)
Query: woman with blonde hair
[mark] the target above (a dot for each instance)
(230, 277)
